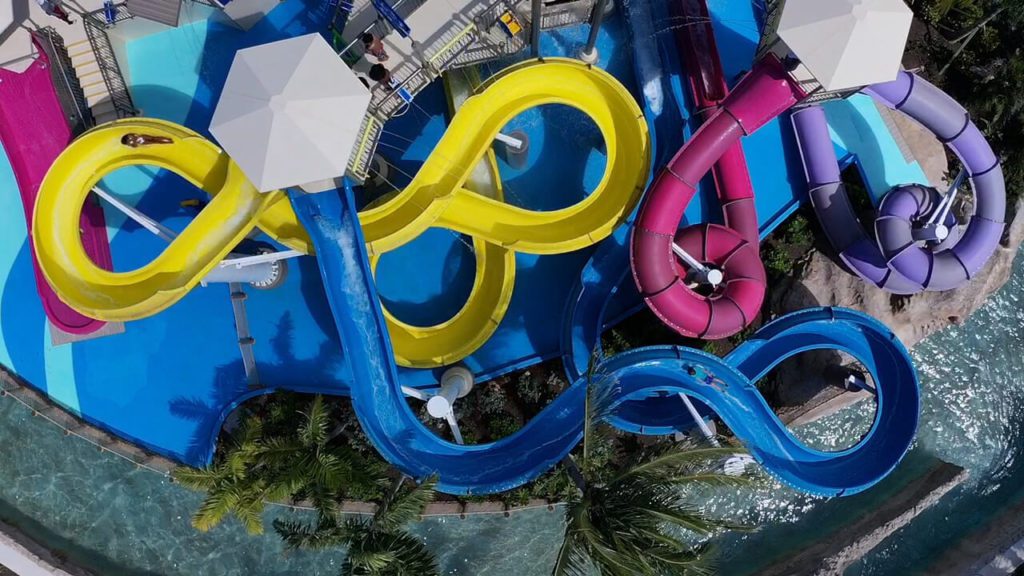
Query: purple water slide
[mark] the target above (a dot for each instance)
(34, 131)
(950, 267)
(762, 95)
(897, 262)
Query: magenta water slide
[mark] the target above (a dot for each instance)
(894, 260)
(34, 131)
(761, 96)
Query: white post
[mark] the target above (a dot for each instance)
(712, 276)
(259, 269)
(705, 430)
(456, 382)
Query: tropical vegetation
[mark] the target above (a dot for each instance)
(290, 450)
(973, 51)
(375, 546)
(627, 520)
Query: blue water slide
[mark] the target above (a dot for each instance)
(729, 388)
(377, 397)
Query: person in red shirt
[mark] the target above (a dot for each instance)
(374, 46)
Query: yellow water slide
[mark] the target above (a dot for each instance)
(438, 196)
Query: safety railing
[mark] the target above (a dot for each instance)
(65, 81)
(96, 30)
(566, 14)
(362, 156)
(772, 13)
(492, 42)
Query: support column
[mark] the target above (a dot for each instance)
(589, 52)
(535, 25)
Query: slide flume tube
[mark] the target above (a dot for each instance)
(405, 442)
(896, 262)
(954, 266)
(833, 207)
(709, 88)
(763, 94)
(34, 131)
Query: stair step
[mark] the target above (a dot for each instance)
(104, 117)
(97, 98)
(84, 60)
(87, 70)
(94, 88)
(92, 83)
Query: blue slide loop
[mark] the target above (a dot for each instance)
(725, 385)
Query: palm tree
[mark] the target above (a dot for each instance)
(378, 546)
(617, 522)
(293, 463)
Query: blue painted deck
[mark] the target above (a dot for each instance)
(165, 382)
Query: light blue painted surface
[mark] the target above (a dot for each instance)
(12, 222)
(860, 135)
(60, 372)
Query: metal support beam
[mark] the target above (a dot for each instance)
(535, 25)
(589, 53)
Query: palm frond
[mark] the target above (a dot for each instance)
(669, 463)
(325, 533)
(201, 479)
(389, 553)
(602, 388)
(217, 504)
(402, 508)
(316, 423)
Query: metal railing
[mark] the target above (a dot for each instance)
(772, 14)
(362, 155)
(65, 81)
(96, 30)
(567, 14)
(491, 42)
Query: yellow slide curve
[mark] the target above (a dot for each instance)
(436, 197)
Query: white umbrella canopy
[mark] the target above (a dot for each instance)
(290, 112)
(847, 43)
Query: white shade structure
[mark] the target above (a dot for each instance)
(847, 43)
(290, 112)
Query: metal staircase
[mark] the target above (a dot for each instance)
(466, 42)
(162, 11)
(98, 71)
(65, 80)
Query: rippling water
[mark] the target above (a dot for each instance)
(972, 406)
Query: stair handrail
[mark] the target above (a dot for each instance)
(96, 30)
(68, 87)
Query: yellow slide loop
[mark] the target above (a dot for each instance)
(460, 335)
(437, 196)
(121, 296)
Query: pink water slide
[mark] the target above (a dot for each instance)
(692, 307)
(34, 131)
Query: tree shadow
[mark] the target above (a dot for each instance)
(315, 375)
